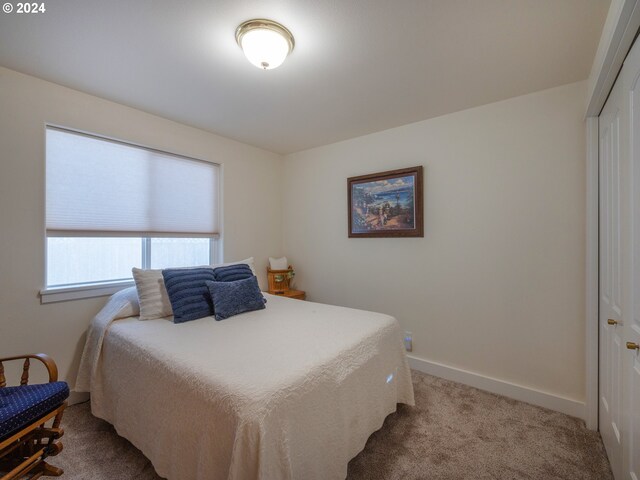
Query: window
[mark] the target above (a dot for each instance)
(112, 206)
(86, 260)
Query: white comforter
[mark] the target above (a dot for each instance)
(289, 392)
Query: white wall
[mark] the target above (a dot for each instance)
(251, 186)
(496, 284)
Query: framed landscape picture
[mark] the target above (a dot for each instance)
(386, 204)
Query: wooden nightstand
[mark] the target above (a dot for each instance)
(297, 294)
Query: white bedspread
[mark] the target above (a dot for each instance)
(289, 392)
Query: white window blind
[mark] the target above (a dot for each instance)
(100, 187)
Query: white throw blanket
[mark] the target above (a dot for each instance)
(121, 305)
(289, 392)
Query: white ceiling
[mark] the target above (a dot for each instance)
(359, 66)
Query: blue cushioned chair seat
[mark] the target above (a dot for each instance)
(20, 406)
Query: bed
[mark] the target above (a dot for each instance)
(289, 392)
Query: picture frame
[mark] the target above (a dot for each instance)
(386, 204)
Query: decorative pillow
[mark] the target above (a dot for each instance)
(278, 263)
(233, 298)
(248, 261)
(188, 293)
(232, 273)
(152, 295)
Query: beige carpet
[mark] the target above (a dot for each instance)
(454, 432)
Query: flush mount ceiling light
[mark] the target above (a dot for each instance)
(265, 43)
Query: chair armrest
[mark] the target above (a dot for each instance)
(48, 362)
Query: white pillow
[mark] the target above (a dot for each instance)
(152, 294)
(278, 263)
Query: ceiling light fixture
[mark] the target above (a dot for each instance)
(265, 43)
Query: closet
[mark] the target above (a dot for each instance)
(619, 271)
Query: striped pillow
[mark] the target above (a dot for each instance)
(188, 292)
(231, 273)
(152, 296)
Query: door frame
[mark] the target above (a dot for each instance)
(618, 34)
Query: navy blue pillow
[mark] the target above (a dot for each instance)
(188, 292)
(231, 273)
(233, 298)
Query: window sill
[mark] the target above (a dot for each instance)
(63, 294)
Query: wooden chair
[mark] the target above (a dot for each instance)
(26, 441)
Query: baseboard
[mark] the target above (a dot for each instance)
(500, 387)
(77, 397)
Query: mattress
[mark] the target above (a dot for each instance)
(289, 392)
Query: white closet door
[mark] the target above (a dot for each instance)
(631, 433)
(612, 152)
(620, 271)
